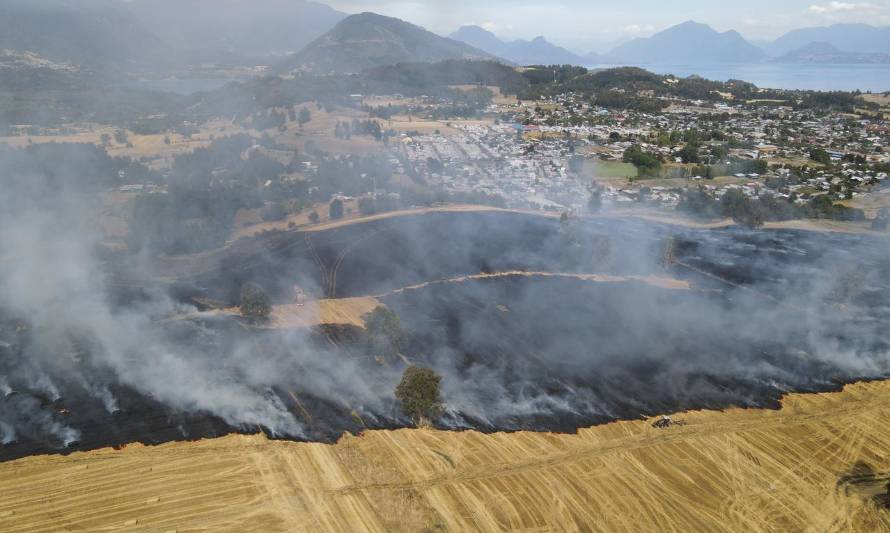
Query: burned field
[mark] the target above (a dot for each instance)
(531, 322)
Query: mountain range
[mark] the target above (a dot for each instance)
(133, 35)
(695, 43)
(535, 52)
(860, 38)
(94, 33)
(368, 40)
(826, 53)
(686, 43)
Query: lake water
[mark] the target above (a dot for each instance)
(874, 78)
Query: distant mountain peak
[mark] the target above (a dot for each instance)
(367, 40)
(535, 52)
(689, 42)
(858, 38)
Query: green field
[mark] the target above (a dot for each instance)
(609, 169)
(612, 169)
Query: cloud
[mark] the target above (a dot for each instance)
(637, 28)
(495, 27)
(840, 7)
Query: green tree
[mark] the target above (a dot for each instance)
(367, 205)
(419, 392)
(648, 164)
(385, 336)
(820, 155)
(314, 217)
(255, 302)
(336, 209)
(595, 199)
(689, 153)
(304, 116)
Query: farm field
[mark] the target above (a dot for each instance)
(812, 465)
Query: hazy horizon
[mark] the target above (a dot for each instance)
(596, 25)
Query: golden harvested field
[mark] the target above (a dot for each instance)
(346, 311)
(739, 470)
(882, 99)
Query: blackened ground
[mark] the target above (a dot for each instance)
(560, 353)
(769, 313)
(379, 256)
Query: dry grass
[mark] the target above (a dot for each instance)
(739, 470)
(871, 203)
(341, 311)
(882, 99)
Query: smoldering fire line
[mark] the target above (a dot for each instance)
(515, 352)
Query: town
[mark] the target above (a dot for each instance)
(547, 154)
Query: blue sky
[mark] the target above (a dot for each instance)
(587, 25)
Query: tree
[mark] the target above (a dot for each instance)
(741, 209)
(648, 164)
(304, 116)
(336, 209)
(882, 221)
(367, 205)
(314, 217)
(120, 136)
(689, 153)
(255, 302)
(820, 155)
(385, 336)
(420, 395)
(595, 200)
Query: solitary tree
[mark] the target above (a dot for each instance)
(304, 116)
(255, 302)
(420, 396)
(336, 209)
(595, 200)
(385, 335)
(314, 217)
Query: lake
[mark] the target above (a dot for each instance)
(874, 78)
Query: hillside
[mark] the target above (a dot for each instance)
(242, 27)
(860, 38)
(811, 466)
(687, 43)
(827, 54)
(535, 52)
(369, 40)
(95, 33)
(28, 71)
